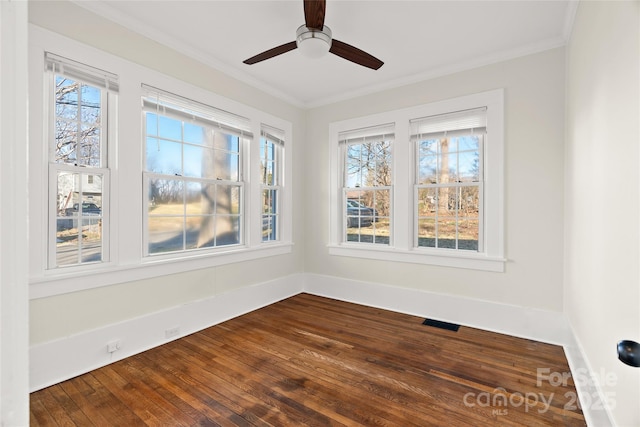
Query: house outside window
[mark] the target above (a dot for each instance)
(193, 178)
(82, 101)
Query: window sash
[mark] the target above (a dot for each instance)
(184, 215)
(272, 217)
(54, 170)
(368, 219)
(418, 217)
(107, 99)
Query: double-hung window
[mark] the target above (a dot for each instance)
(271, 161)
(449, 180)
(367, 188)
(428, 189)
(193, 176)
(82, 105)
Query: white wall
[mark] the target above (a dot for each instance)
(67, 314)
(14, 401)
(534, 153)
(602, 281)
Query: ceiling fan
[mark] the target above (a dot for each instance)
(314, 39)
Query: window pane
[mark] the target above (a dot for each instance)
(227, 199)
(201, 198)
(443, 161)
(65, 141)
(200, 232)
(446, 232)
(426, 202)
(469, 143)
(67, 246)
(269, 228)
(152, 124)
(198, 161)
(369, 210)
(427, 170)
(368, 164)
(269, 212)
(89, 146)
(90, 105)
(269, 205)
(469, 167)
(226, 165)
(469, 224)
(166, 197)
(164, 157)
(268, 170)
(91, 240)
(468, 234)
(79, 218)
(448, 217)
(66, 98)
(194, 134)
(169, 128)
(382, 168)
(166, 234)
(227, 230)
(78, 118)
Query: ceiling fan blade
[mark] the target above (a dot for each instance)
(271, 53)
(353, 54)
(314, 13)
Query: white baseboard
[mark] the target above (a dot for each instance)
(540, 325)
(59, 360)
(591, 396)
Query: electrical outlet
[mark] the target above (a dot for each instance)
(113, 346)
(172, 332)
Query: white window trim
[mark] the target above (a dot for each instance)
(403, 209)
(127, 262)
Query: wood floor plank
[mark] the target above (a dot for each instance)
(315, 361)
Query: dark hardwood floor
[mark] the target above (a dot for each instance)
(315, 361)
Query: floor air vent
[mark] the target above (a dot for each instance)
(441, 325)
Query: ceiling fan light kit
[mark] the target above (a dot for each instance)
(314, 40)
(313, 43)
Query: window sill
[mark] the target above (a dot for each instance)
(78, 279)
(473, 261)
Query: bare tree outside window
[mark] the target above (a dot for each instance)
(448, 192)
(367, 190)
(78, 123)
(78, 146)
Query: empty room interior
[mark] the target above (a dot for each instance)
(401, 213)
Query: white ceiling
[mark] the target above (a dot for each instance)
(415, 39)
